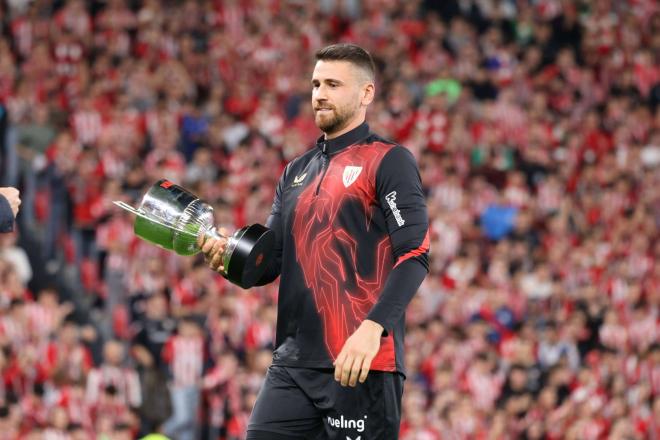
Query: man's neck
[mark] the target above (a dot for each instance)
(353, 124)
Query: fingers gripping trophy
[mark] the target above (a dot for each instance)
(175, 219)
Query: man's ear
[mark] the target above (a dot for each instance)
(367, 94)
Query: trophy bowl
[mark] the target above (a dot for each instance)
(174, 218)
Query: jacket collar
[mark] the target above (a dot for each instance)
(332, 146)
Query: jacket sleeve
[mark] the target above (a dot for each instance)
(274, 223)
(399, 191)
(6, 216)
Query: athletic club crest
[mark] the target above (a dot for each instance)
(351, 173)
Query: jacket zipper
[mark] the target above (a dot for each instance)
(324, 166)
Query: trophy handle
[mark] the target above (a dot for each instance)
(127, 207)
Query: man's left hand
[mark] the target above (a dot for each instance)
(359, 350)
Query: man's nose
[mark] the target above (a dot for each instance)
(320, 94)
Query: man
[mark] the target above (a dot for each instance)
(9, 202)
(184, 353)
(352, 248)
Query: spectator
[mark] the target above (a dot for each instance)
(16, 256)
(113, 383)
(9, 203)
(185, 356)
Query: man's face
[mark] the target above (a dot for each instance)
(113, 353)
(157, 307)
(336, 94)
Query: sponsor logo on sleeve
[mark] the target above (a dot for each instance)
(391, 201)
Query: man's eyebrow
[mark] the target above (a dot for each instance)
(327, 80)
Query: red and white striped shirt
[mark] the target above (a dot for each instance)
(549, 196)
(77, 21)
(449, 235)
(435, 124)
(14, 331)
(614, 336)
(125, 380)
(55, 434)
(42, 320)
(644, 332)
(185, 354)
(73, 400)
(516, 195)
(23, 35)
(87, 126)
(485, 388)
(449, 196)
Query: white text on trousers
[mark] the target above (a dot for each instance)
(341, 422)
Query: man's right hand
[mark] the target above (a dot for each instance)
(213, 248)
(12, 196)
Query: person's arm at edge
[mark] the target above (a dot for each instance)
(6, 216)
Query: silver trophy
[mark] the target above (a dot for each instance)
(174, 218)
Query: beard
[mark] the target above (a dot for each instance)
(335, 121)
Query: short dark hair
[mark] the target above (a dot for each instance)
(352, 53)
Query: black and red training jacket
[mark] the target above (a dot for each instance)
(352, 244)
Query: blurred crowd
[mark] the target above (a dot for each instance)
(536, 125)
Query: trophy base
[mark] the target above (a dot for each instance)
(251, 250)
